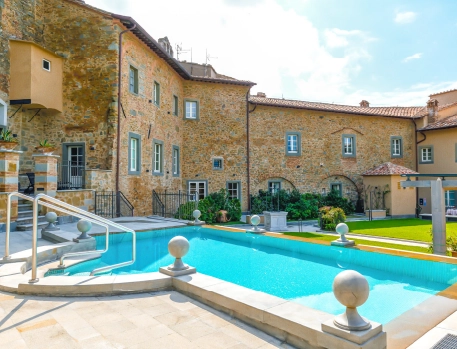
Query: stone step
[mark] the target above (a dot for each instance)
(29, 220)
(24, 227)
(22, 207)
(25, 213)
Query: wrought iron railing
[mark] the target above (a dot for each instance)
(70, 176)
(178, 204)
(111, 204)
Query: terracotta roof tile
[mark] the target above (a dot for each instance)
(387, 169)
(448, 122)
(439, 93)
(399, 112)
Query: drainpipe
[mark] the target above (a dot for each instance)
(119, 93)
(248, 160)
(417, 155)
(248, 149)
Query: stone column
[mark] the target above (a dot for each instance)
(9, 172)
(438, 217)
(45, 174)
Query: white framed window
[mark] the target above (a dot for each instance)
(156, 93)
(348, 146)
(234, 189)
(217, 164)
(158, 158)
(191, 109)
(198, 188)
(134, 153)
(46, 65)
(396, 146)
(450, 196)
(133, 80)
(3, 114)
(274, 186)
(426, 154)
(292, 143)
(175, 160)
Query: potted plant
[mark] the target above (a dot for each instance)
(451, 243)
(6, 140)
(45, 147)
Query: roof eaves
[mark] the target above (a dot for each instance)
(331, 110)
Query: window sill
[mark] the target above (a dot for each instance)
(157, 173)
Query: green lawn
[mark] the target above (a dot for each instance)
(409, 229)
(360, 242)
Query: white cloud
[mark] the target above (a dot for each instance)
(405, 17)
(340, 38)
(414, 56)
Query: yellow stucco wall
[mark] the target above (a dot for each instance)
(30, 81)
(400, 202)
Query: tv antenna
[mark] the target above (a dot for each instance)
(208, 57)
(180, 50)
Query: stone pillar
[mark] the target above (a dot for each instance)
(438, 217)
(45, 174)
(9, 172)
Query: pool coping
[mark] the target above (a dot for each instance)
(243, 303)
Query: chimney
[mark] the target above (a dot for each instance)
(261, 94)
(432, 108)
(165, 43)
(364, 104)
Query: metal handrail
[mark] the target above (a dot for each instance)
(86, 214)
(7, 257)
(69, 209)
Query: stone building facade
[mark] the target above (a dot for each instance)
(180, 129)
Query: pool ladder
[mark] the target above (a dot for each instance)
(58, 205)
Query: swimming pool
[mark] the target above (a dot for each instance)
(298, 271)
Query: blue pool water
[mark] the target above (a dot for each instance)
(297, 271)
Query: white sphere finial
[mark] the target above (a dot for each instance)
(51, 217)
(342, 229)
(196, 214)
(255, 220)
(178, 246)
(351, 289)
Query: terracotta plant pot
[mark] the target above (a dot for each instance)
(222, 216)
(8, 145)
(454, 254)
(45, 150)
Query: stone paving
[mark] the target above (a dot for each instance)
(153, 320)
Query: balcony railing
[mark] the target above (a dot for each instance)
(70, 176)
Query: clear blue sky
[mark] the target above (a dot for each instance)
(341, 51)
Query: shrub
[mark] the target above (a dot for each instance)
(185, 211)
(331, 216)
(305, 208)
(335, 200)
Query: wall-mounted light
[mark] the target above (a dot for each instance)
(197, 175)
(298, 166)
(92, 147)
(234, 175)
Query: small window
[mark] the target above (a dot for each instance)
(175, 105)
(348, 146)
(134, 154)
(336, 187)
(46, 65)
(234, 189)
(198, 188)
(426, 155)
(133, 80)
(293, 143)
(396, 147)
(323, 192)
(450, 196)
(156, 93)
(158, 158)
(3, 114)
(191, 109)
(217, 164)
(274, 186)
(175, 161)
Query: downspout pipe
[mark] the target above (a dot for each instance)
(248, 151)
(119, 94)
(417, 158)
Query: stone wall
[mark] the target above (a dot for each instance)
(14, 210)
(102, 180)
(321, 162)
(87, 41)
(150, 122)
(84, 199)
(220, 132)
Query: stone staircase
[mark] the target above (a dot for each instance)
(25, 217)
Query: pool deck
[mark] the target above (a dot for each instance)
(29, 329)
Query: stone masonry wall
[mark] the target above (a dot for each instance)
(219, 132)
(150, 121)
(321, 162)
(87, 41)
